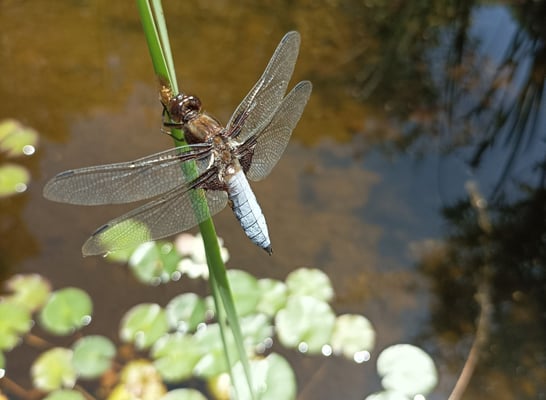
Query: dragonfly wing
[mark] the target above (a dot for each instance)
(257, 108)
(179, 210)
(129, 181)
(272, 141)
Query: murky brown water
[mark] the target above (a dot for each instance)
(348, 197)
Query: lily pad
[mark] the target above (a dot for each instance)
(387, 395)
(53, 370)
(256, 329)
(17, 139)
(305, 323)
(93, 356)
(272, 379)
(66, 310)
(185, 312)
(143, 325)
(155, 262)
(183, 394)
(213, 361)
(273, 296)
(30, 291)
(65, 395)
(310, 282)
(176, 356)
(353, 334)
(13, 179)
(407, 369)
(15, 322)
(246, 293)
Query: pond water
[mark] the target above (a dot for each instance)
(410, 102)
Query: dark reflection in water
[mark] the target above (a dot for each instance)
(410, 100)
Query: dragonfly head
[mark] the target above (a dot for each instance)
(183, 109)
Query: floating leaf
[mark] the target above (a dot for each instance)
(16, 139)
(407, 369)
(353, 334)
(65, 395)
(176, 356)
(15, 321)
(139, 377)
(13, 179)
(30, 291)
(305, 323)
(246, 293)
(143, 325)
(66, 310)
(93, 356)
(2, 365)
(183, 394)
(53, 370)
(257, 330)
(213, 362)
(267, 374)
(310, 282)
(185, 312)
(155, 262)
(273, 296)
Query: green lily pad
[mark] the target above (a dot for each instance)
(13, 179)
(65, 395)
(273, 296)
(310, 282)
(183, 394)
(257, 331)
(155, 262)
(93, 356)
(185, 312)
(213, 361)
(353, 335)
(140, 377)
(53, 370)
(305, 323)
(30, 291)
(16, 139)
(407, 369)
(2, 365)
(176, 356)
(15, 322)
(66, 310)
(246, 293)
(272, 379)
(143, 325)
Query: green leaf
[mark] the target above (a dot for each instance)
(257, 332)
(353, 337)
(15, 321)
(246, 293)
(310, 282)
(213, 361)
(16, 139)
(185, 312)
(66, 310)
(93, 356)
(53, 370)
(176, 356)
(143, 325)
(2, 365)
(155, 262)
(13, 179)
(272, 379)
(273, 296)
(305, 323)
(183, 394)
(65, 395)
(29, 291)
(387, 395)
(407, 369)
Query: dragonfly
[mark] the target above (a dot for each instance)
(215, 164)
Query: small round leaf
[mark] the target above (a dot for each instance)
(310, 282)
(185, 312)
(66, 310)
(13, 179)
(155, 262)
(176, 356)
(273, 296)
(64, 395)
(352, 334)
(93, 356)
(246, 293)
(53, 370)
(143, 325)
(183, 394)
(15, 321)
(30, 291)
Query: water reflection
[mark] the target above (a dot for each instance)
(458, 82)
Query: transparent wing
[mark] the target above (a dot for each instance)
(271, 142)
(178, 210)
(257, 108)
(128, 181)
